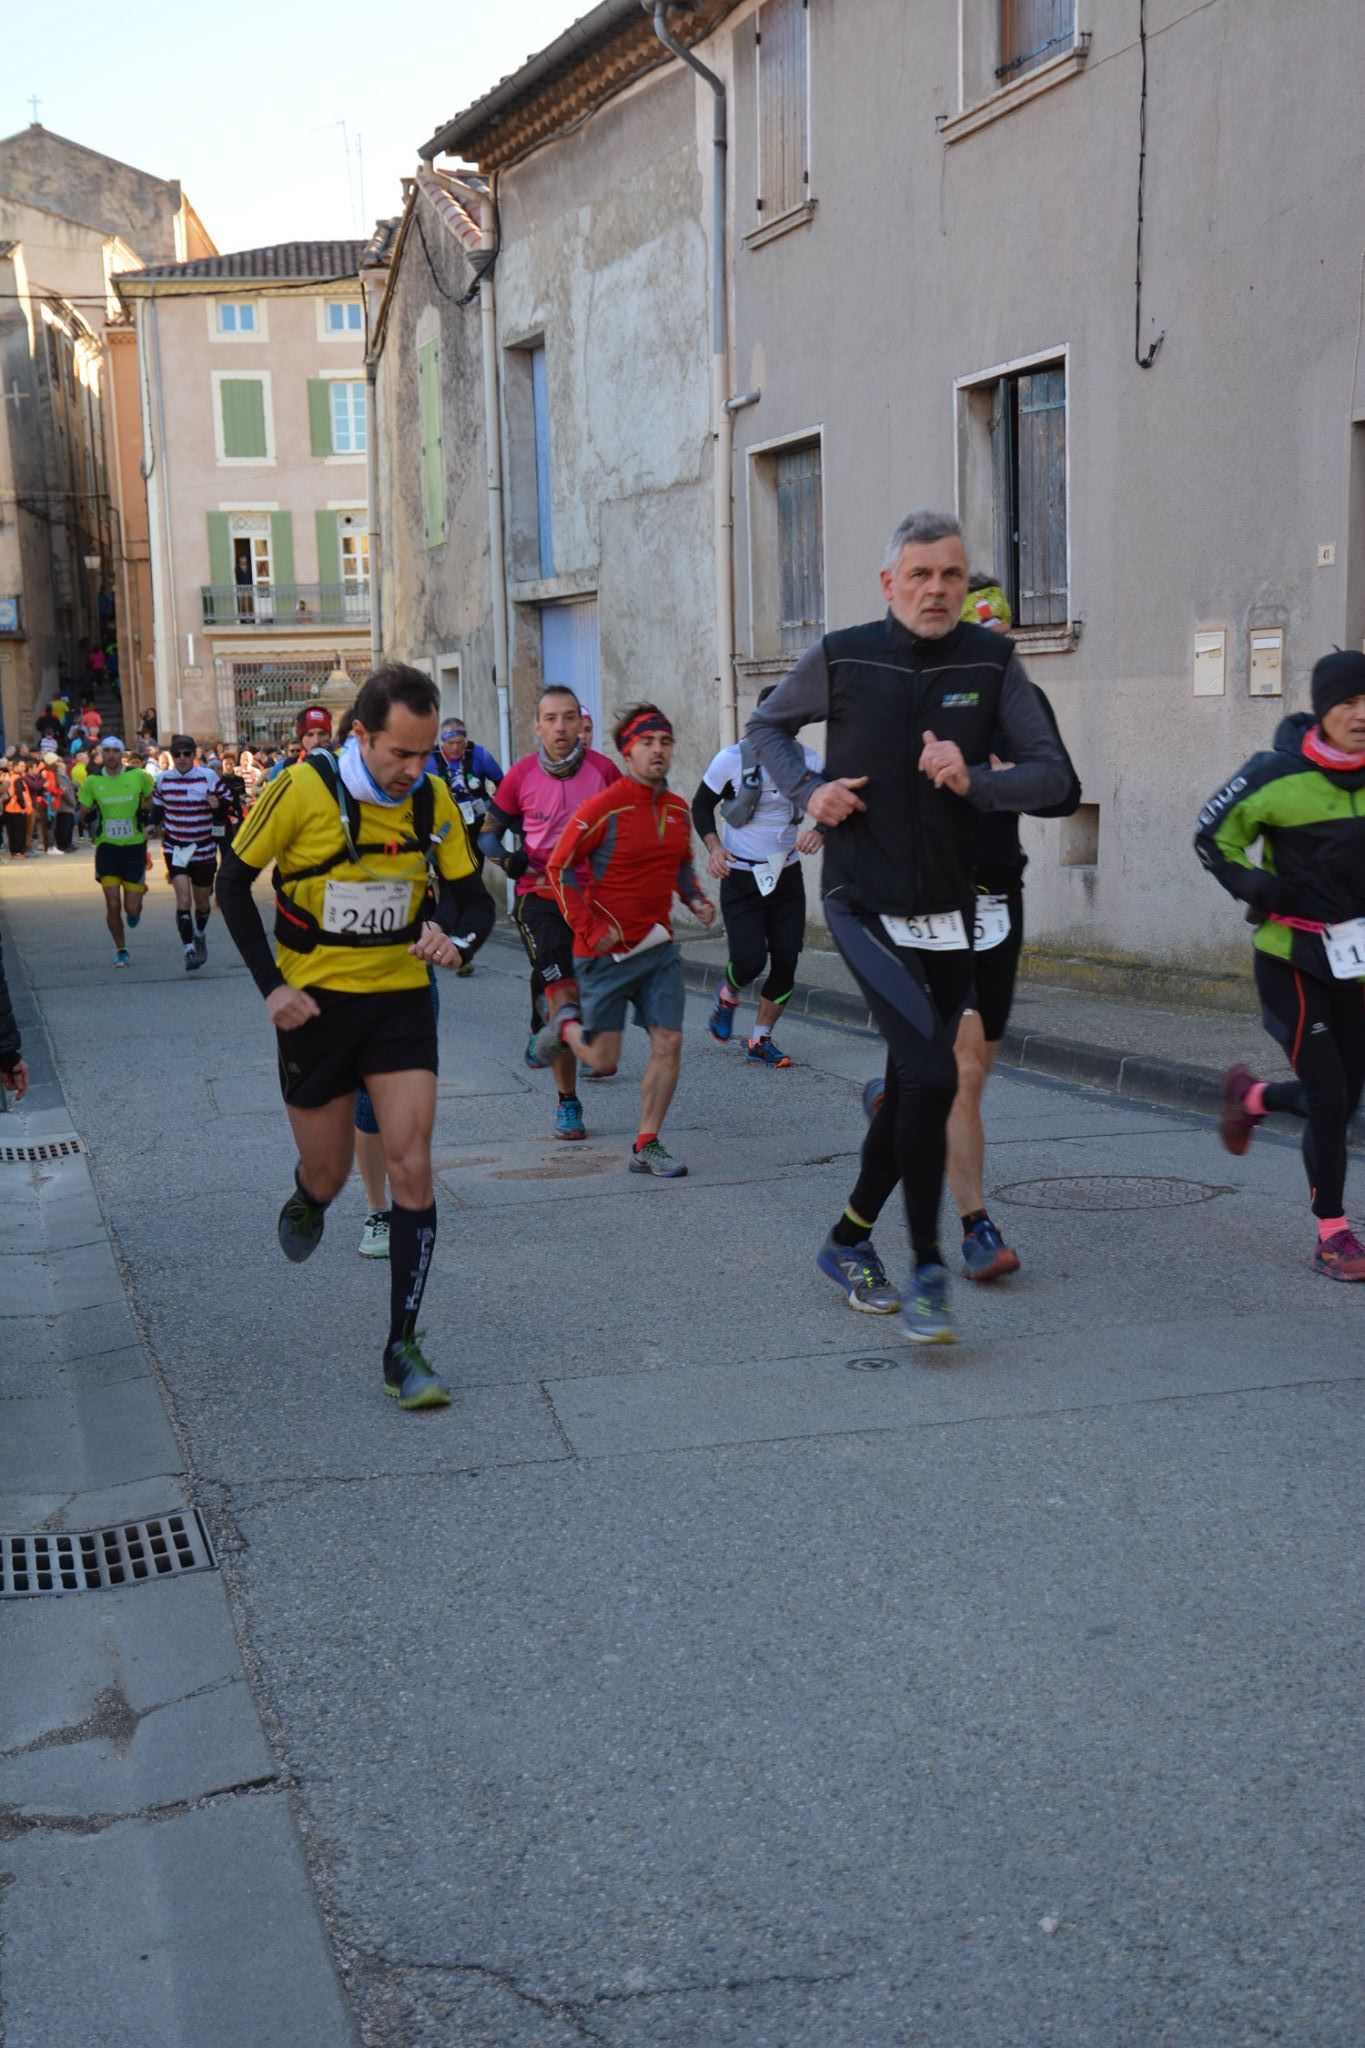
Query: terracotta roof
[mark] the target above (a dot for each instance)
(317, 262)
(380, 245)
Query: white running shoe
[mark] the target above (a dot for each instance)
(374, 1238)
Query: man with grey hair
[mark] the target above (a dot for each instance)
(911, 703)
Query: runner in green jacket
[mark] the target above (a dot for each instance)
(119, 797)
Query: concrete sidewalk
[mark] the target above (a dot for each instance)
(147, 1840)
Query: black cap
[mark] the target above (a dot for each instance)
(1336, 679)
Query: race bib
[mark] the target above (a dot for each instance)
(1345, 945)
(768, 873)
(367, 910)
(181, 856)
(992, 922)
(944, 932)
(219, 831)
(466, 811)
(657, 935)
(120, 828)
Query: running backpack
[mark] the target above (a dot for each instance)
(296, 927)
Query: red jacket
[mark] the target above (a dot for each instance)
(633, 846)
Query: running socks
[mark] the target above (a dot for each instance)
(760, 1032)
(645, 1138)
(412, 1236)
(850, 1230)
(1330, 1226)
(201, 920)
(184, 924)
(970, 1222)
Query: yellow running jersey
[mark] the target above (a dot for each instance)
(296, 823)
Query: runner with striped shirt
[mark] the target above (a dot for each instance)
(188, 801)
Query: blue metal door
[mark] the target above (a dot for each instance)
(569, 653)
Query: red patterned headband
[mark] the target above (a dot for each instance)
(641, 726)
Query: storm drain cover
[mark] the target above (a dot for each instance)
(1109, 1191)
(871, 1364)
(56, 1148)
(85, 1561)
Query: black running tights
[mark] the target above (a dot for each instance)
(1321, 1025)
(916, 999)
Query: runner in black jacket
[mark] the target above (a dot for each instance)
(13, 1072)
(911, 704)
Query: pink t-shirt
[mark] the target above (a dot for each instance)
(539, 805)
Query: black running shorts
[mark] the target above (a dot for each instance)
(995, 973)
(200, 872)
(353, 1037)
(121, 867)
(549, 948)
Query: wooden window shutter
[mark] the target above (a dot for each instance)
(282, 548)
(1031, 31)
(243, 402)
(320, 415)
(220, 557)
(1041, 428)
(800, 548)
(329, 549)
(783, 170)
(433, 466)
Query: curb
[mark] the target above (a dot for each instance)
(1137, 1077)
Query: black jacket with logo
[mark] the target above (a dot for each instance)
(879, 688)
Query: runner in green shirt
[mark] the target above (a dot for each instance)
(119, 797)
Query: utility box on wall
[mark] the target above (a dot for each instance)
(1265, 664)
(1210, 662)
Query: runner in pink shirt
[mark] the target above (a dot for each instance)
(535, 800)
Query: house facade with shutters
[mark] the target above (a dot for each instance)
(1062, 266)
(255, 425)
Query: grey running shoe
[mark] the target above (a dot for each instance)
(652, 1158)
(546, 1044)
(861, 1274)
(925, 1316)
(300, 1228)
(201, 948)
(409, 1379)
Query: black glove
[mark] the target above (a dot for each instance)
(514, 865)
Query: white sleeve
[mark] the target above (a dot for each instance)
(724, 770)
(813, 761)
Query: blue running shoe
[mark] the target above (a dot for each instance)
(857, 1269)
(985, 1255)
(873, 1091)
(721, 1022)
(123, 958)
(926, 1317)
(569, 1119)
(132, 919)
(409, 1380)
(763, 1053)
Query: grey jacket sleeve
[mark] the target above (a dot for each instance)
(1040, 774)
(803, 699)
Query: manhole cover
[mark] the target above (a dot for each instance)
(872, 1364)
(56, 1148)
(1108, 1191)
(85, 1561)
(574, 1167)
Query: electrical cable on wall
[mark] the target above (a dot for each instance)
(1144, 362)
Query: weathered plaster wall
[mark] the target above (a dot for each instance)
(54, 172)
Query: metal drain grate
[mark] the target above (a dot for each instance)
(56, 1148)
(85, 1561)
(1109, 1191)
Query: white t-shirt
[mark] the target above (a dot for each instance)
(772, 829)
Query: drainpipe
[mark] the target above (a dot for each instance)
(165, 644)
(722, 426)
(492, 434)
(372, 511)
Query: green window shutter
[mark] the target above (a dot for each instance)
(320, 415)
(282, 547)
(433, 465)
(220, 552)
(329, 557)
(243, 402)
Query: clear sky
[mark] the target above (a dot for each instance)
(245, 106)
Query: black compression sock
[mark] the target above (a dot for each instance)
(927, 1255)
(201, 920)
(185, 926)
(412, 1235)
(851, 1230)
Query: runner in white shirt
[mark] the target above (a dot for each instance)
(189, 799)
(753, 845)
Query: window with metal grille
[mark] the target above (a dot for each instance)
(1028, 463)
(800, 547)
(1031, 31)
(780, 37)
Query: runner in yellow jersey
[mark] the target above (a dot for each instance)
(355, 838)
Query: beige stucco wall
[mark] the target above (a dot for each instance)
(1200, 489)
(189, 480)
(84, 185)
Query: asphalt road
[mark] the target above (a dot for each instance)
(689, 1683)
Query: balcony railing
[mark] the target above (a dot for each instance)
(286, 604)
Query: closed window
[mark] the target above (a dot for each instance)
(236, 316)
(1028, 471)
(433, 460)
(343, 317)
(800, 547)
(1031, 31)
(780, 34)
(243, 420)
(530, 495)
(540, 404)
(348, 417)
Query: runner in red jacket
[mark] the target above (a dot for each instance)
(615, 870)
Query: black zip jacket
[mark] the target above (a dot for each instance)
(879, 688)
(1000, 859)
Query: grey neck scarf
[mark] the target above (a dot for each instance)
(561, 770)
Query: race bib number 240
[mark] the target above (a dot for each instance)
(365, 910)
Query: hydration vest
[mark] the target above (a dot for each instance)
(739, 808)
(296, 927)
